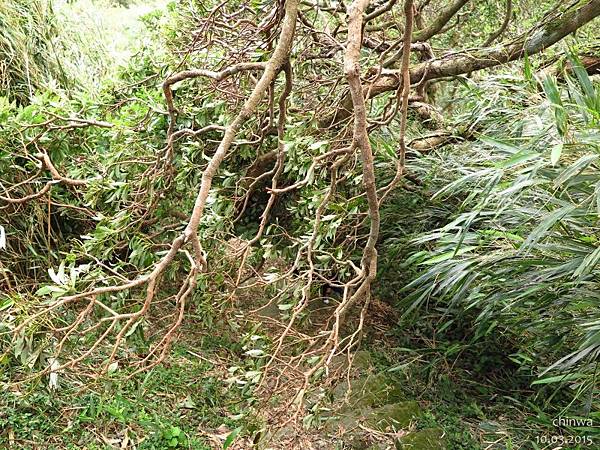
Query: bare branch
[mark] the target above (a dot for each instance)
(500, 31)
(439, 22)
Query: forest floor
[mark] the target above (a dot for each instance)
(203, 397)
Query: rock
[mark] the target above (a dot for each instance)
(369, 391)
(393, 417)
(362, 361)
(375, 402)
(270, 311)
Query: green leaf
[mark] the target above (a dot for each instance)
(560, 113)
(549, 221)
(527, 69)
(597, 194)
(517, 159)
(133, 328)
(501, 145)
(588, 264)
(559, 378)
(582, 76)
(6, 303)
(551, 90)
(447, 255)
(112, 368)
(556, 152)
(575, 169)
(56, 291)
(231, 437)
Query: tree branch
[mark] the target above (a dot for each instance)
(271, 69)
(496, 34)
(361, 141)
(538, 41)
(535, 41)
(439, 22)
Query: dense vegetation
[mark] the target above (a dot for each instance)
(204, 210)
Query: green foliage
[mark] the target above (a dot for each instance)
(43, 46)
(513, 258)
(27, 57)
(518, 252)
(163, 410)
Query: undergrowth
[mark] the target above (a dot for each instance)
(490, 258)
(502, 257)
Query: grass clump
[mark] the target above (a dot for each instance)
(28, 58)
